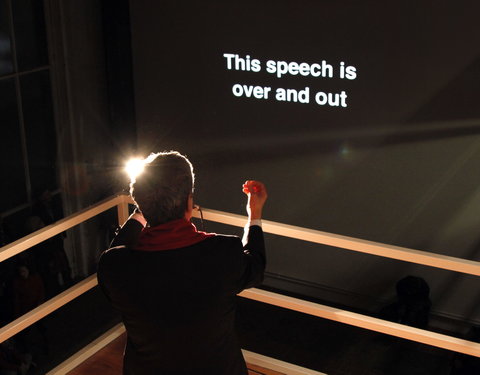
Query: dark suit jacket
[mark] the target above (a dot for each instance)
(178, 306)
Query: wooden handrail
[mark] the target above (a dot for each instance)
(14, 248)
(285, 230)
(342, 316)
(59, 226)
(47, 307)
(364, 321)
(349, 243)
(295, 304)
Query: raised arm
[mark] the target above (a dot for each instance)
(257, 196)
(254, 258)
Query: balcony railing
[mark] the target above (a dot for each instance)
(122, 203)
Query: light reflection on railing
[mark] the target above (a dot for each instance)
(349, 243)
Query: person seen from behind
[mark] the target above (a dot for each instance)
(176, 286)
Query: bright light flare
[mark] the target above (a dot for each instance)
(134, 168)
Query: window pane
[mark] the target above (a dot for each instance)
(30, 34)
(39, 129)
(6, 65)
(12, 188)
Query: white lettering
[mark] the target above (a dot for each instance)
(258, 92)
(237, 90)
(321, 98)
(271, 68)
(351, 72)
(315, 70)
(332, 99)
(229, 57)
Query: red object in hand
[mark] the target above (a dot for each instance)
(252, 187)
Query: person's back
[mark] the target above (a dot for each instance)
(176, 291)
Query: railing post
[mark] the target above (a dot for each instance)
(122, 209)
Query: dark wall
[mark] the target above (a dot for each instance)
(393, 165)
(118, 60)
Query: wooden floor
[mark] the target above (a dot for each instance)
(108, 361)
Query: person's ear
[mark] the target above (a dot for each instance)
(189, 210)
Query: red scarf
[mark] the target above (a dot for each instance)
(172, 235)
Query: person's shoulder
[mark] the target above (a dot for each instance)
(113, 254)
(113, 261)
(225, 236)
(224, 245)
(224, 239)
(115, 250)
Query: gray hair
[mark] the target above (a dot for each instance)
(161, 192)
